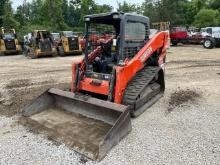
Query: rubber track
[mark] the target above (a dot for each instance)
(138, 84)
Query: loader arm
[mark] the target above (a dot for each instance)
(125, 73)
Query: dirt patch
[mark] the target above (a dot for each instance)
(57, 70)
(1, 97)
(76, 131)
(201, 65)
(195, 64)
(218, 73)
(180, 97)
(56, 143)
(83, 160)
(18, 83)
(202, 62)
(180, 62)
(21, 83)
(22, 97)
(6, 132)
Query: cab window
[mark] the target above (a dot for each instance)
(135, 31)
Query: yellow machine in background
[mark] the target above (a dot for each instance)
(69, 43)
(162, 26)
(40, 44)
(8, 42)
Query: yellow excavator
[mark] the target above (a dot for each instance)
(40, 44)
(69, 43)
(8, 42)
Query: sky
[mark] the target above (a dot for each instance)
(113, 3)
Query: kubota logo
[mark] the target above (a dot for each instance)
(146, 53)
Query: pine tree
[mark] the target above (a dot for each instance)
(2, 4)
(53, 14)
(8, 20)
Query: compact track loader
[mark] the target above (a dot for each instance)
(8, 42)
(69, 44)
(121, 77)
(40, 44)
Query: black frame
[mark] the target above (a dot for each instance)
(118, 20)
(131, 18)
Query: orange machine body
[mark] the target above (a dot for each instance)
(125, 73)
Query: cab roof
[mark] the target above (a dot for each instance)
(40, 30)
(114, 18)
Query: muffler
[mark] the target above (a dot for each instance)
(88, 125)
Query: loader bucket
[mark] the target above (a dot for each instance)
(88, 125)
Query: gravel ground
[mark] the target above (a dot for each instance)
(181, 128)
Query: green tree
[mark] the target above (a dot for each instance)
(36, 13)
(8, 19)
(75, 13)
(85, 7)
(69, 14)
(215, 4)
(19, 15)
(190, 12)
(53, 16)
(200, 4)
(166, 10)
(90, 7)
(104, 8)
(2, 4)
(149, 10)
(207, 17)
(128, 8)
(65, 11)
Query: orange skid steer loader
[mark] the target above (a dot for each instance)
(120, 77)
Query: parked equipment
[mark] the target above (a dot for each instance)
(162, 26)
(40, 44)
(56, 38)
(203, 32)
(69, 43)
(123, 75)
(212, 38)
(182, 35)
(8, 42)
(178, 35)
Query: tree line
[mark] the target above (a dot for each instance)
(55, 15)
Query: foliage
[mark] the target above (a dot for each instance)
(8, 20)
(53, 10)
(215, 4)
(207, 17)
(128, 8)
(2, 4)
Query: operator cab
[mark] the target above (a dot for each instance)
(68, 34)
(113, 38)
(8, 34)
(41, 35)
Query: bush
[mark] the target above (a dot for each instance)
(207, 17)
